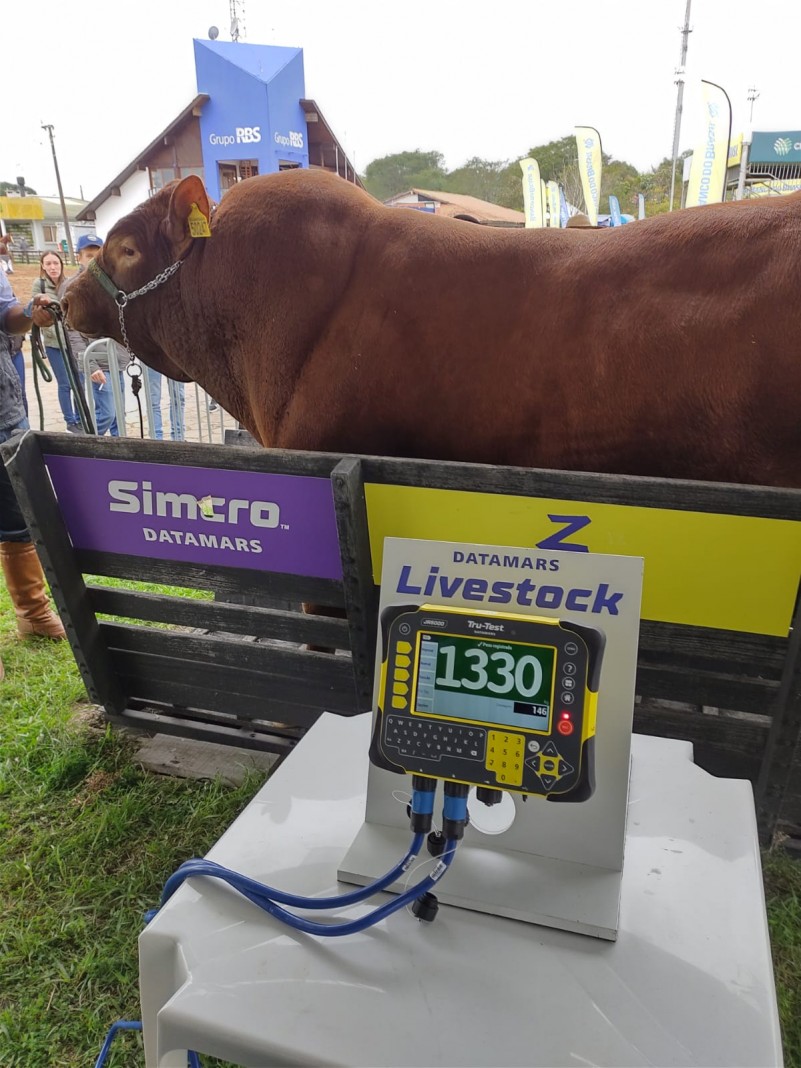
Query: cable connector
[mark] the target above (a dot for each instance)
(454, 810)
(425, 908)
(422, 810)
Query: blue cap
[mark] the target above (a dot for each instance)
(88, 241)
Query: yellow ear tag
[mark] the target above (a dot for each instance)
(198, 223)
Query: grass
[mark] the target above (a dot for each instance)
(86, 841)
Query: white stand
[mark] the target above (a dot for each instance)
(688, 982)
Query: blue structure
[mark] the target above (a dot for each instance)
(253, 122)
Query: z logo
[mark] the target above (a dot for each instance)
(572, 524)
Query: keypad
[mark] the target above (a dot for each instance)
(430, 740)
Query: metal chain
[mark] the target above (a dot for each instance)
(134, 368)
(168, 272)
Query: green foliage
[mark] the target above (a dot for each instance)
(499, 181)
(390, 175)
(12, 187)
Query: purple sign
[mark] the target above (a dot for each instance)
(247, 519)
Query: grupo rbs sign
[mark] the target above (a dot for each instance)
(252, 122)
(783, 146)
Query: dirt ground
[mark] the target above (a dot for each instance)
(200, 424)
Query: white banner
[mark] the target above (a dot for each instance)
(590, 161)
(532, 194)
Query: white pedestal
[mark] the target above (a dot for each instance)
(689, 981)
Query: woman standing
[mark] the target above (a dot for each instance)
(51, 276)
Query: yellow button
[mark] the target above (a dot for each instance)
(400, 688)
(403, 647)
(403, 661)
(398, 702)
(401, 676)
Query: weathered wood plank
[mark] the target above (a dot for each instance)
(723, 691)
(223, 680)
(220, 616)
(213, 706)
(221, 579)
(361, 594)
(768, 502)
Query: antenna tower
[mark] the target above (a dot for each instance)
(236, 9)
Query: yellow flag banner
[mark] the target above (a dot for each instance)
(533, 207)
(707, 184)
(588, 142)
(554, 204)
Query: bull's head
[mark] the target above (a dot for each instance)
(140, 246)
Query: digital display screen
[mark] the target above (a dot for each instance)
(503, 683)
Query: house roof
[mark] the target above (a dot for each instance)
(457, 204)
(134, 165)
(319, 134)
(321, 137)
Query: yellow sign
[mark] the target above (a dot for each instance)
(735, 151)
(21, 208)
(707, 184)
(774, 187)
(704, 570)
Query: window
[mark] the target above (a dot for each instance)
(160, 176)
(50, 234)
(185, 171)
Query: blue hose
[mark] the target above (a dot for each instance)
(244, 884)
(120, 1025)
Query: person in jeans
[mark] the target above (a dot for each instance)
(51, 279)
(176, 395)
(100, 360)
(23, 572)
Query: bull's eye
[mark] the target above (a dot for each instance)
(126, 251)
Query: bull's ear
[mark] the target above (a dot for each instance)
(188, 214)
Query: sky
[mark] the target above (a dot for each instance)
(465, 79)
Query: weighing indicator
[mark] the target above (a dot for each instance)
(489, 699)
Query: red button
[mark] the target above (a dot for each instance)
(564, 726)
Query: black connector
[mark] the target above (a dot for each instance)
(487, 796)
(436, 843)
(426, 907)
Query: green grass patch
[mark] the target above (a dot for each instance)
(783, 894)
(87, 840)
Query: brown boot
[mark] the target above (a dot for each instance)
(26, 585)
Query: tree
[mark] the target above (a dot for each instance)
(390, 175)
(12, 187)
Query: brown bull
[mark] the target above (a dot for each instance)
(323, 320)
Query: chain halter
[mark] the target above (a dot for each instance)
(121, 299)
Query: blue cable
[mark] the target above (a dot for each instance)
(243, 883)
(255, 892)
(120, 1025)
(193, 1060)
(270, 899)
